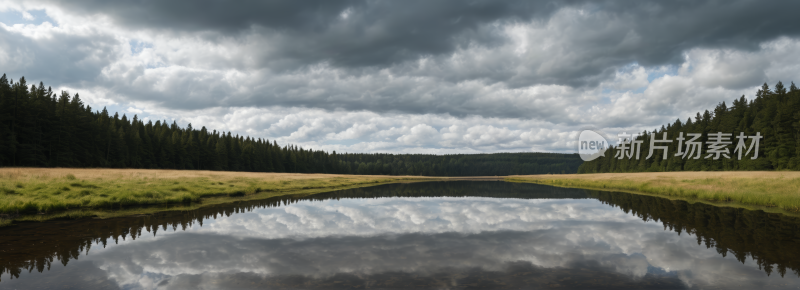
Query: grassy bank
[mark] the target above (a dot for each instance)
(42, 190)
(772, 189)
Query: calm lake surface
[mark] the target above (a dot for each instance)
(436, 235)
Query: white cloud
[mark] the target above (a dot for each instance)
(549, 77)
(27, 15)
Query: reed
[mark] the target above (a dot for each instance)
(42, 190)
(771, 189)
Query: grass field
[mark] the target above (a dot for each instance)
(771, 189)
(71, 193)
(43, 190)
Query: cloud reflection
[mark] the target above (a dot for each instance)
(439, 242)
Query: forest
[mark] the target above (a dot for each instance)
(773, 114)
(40, 128)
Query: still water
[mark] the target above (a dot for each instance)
(437, 235)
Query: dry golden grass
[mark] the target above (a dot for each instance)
(56, 189)
(779, 189)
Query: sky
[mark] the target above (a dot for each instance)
(439, 77)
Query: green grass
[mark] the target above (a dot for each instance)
(34, 194)
(779, 190)
(85, 212)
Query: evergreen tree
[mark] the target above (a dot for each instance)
(43, 129)
(773, 113)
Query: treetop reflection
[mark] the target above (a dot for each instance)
(522, 227)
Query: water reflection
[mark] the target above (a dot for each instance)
(772, 240)
(436, 235)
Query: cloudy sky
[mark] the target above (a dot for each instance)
(405, 76)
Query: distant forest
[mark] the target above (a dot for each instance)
(774, 113)
(39, 128)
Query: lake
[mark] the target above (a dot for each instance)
(433, 235)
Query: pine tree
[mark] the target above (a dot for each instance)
(40, 128)
(773, 113)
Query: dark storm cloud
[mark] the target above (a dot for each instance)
(667, 28)
(344, 32)
(509, 73)
(381, 33)
(60, 59)
(593, 44)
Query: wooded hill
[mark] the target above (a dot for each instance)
(774, 113)
(39, 128)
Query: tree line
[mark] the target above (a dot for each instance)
(774, 114)
(39, 128)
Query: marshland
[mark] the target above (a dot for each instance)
(54, 190)
(760, 189)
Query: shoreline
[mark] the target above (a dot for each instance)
(770, 191)
(41, 194)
